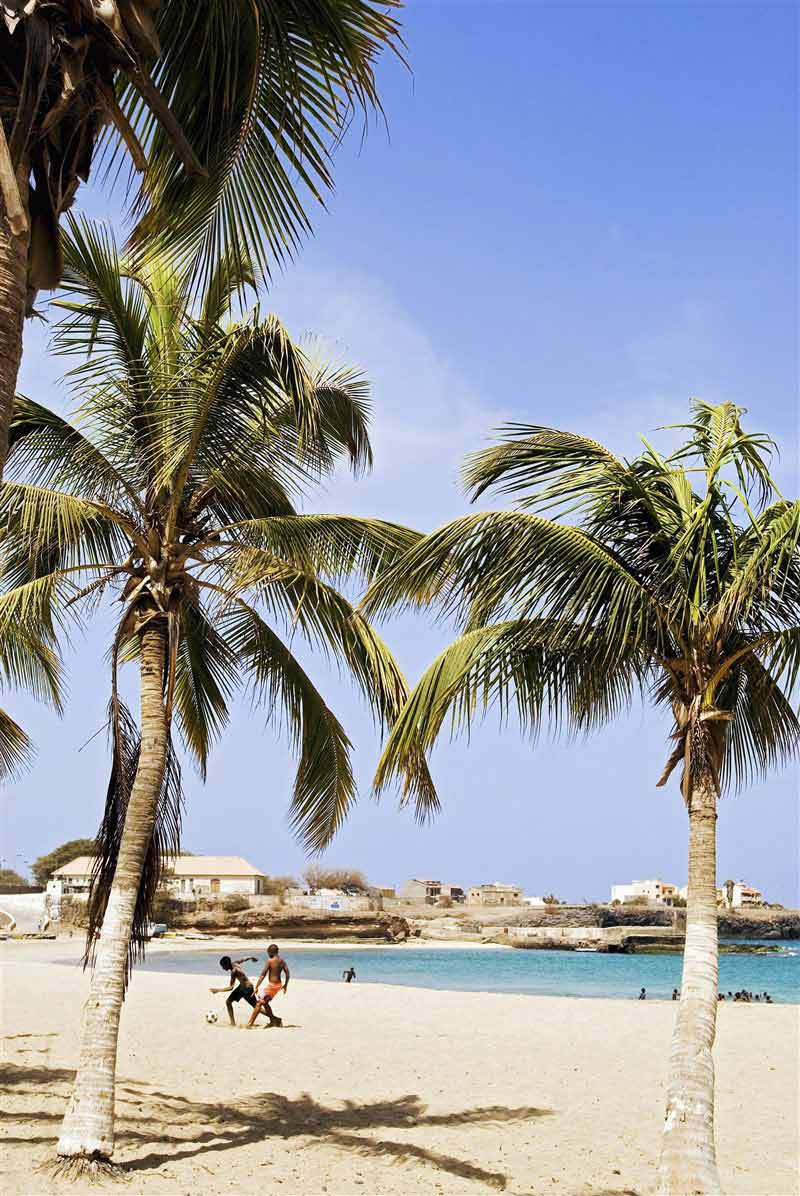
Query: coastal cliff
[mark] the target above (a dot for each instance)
(296, 924)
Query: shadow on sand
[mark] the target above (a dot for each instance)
(167, 1128)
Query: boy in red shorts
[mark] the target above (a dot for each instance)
(274, 978)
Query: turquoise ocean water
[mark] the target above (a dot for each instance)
(504, 970)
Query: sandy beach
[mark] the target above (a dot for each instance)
(388, 1090)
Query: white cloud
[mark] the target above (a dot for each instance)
(426, 413)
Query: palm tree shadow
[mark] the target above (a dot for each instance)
(187, 1129)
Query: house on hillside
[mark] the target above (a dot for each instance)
(186, 876)
(742, 896)
(428, 892)
(657, 891)
(421, 892)
(745, 895)
(192, 876)
(71, 880)
(494, 894)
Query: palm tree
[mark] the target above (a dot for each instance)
(227, 110)
(674, 578)
(176, 493)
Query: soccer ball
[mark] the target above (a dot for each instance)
(211, 1017)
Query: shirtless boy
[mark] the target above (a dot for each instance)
(271, 976)
(244, 987)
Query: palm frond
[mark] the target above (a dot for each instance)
(61, 528)
(16, 749)
(536, 667)
(206, 676)
(510, 564)
(762, 580)
(718, 437)
(764, 731)
(547, 466)
(334, 546)
(48, 448)
(328, 622)
(107, 304)
(254, 370)
(325, 788)
(272, 87)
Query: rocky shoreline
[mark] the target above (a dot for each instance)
(594, 927)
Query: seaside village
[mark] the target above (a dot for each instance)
(199, 877)
(201, 895)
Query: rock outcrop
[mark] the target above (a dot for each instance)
(295, 924)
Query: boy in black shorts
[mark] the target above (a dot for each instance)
(243, 990)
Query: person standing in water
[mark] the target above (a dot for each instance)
(274, 978)
(349, 975)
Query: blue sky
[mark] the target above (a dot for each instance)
(581, 216)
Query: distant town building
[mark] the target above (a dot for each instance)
(742, 896)
(534, 901)
(494, 894)
(73, 879)
(421, 892)
(657, 891)
(186, 876)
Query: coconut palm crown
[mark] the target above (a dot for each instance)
(226, 111)
(673, 579)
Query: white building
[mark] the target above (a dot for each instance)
(206, 875)
(187, 877)
(742, 897)
(72, 879)
(657, 891)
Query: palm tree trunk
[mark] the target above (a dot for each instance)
(13, 293)
(87, 1131)
(688, 1157)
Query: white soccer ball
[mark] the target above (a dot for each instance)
(211, 1017)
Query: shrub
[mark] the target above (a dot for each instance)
(335, 878)
(43, 867)
(11, 879)
(276, 886)
(234, 903)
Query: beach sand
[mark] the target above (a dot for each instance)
(385, 1090)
